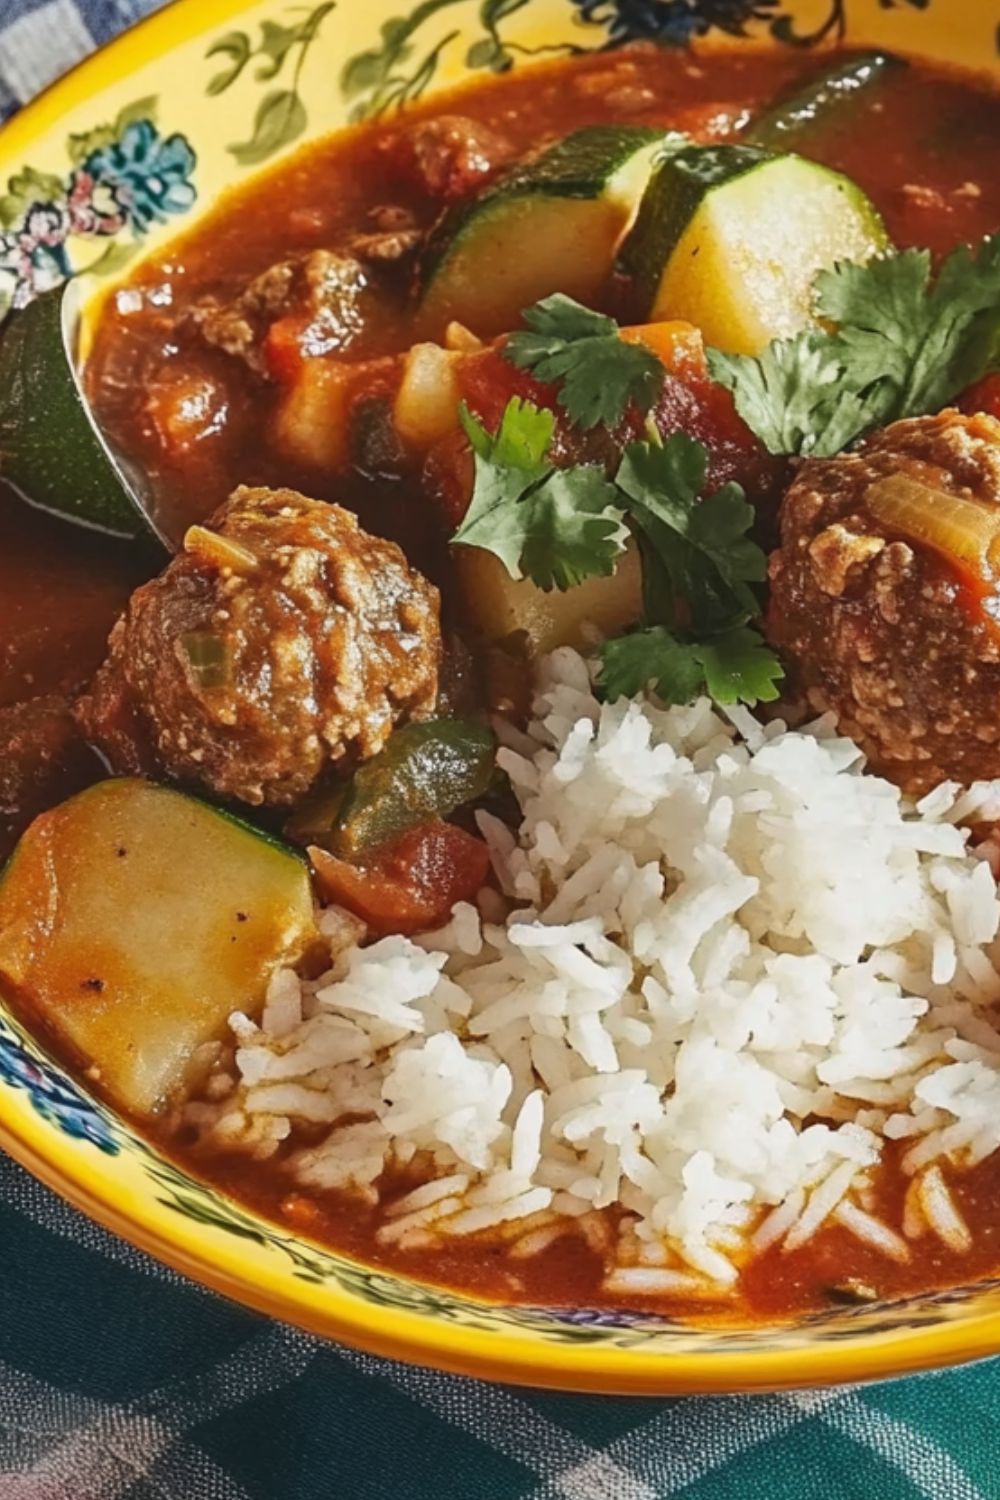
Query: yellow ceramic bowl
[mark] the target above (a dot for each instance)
(139, 141)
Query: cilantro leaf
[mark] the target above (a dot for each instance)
(559, 526)
(794, 395)
(599, 374)
(573, 528)
(698, 566)
(652, 657)
(901, 344)
(737, 666)
(929, 341)
(702, 545)
(520, 442)
(506, 466)
(740, 667)
(554, 526)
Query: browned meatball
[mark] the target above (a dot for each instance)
(880, 627)
(280, 640)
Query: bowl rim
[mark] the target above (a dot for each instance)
(414, 1338)
(514, 1358)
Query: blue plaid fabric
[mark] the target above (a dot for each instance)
(120, 1381)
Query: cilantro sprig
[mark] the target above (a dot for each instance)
(699, 563)
(560, 525)
(556, 526)
(701, 545)
(598, 373)
(899, 343)
(734, 666)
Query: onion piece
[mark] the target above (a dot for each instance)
(219, 550)
(460, 339)
(426, 406)
(964, 531)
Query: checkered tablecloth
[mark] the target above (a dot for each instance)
(119, 1381)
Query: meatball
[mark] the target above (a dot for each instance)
(280, 640)
(880, 627)
(450, 156)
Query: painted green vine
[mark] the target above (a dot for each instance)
(281, 116)
(393, 75)
(396, 71)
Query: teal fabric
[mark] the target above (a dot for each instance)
(119, 1381)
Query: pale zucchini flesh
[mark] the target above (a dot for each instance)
(135, 920)
(732, 238)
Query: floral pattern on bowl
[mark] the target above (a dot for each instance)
(54, 1096)
(122, 179)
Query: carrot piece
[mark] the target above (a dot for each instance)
(676, 344)
(283, 351)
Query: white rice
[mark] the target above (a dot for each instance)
(728, 967)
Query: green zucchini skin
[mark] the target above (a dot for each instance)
(49, 451)
(575, 167)
(579, 165)
(792, 122)
(731, 238)
(474, 241)
(135, 919)
(677, 186)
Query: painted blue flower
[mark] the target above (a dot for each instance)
(54, 1098)
(149, 176)
(674, 21)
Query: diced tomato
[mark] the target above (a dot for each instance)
(690, 402)
(448, 478)
(487, 382)
(411, 884)
(283, 352)
(184, 407)
(984, 396)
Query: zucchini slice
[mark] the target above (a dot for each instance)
(134, 920)
(51, 451)
(822, 102)
(550, 225)
(731, 238)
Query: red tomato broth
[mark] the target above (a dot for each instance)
(205, 428)
(832, 1270)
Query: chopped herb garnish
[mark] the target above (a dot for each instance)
(736, 666)
(558, 526)
(554, 526)
(698, 565)
(702, 545)
(598, 373)
(901, 344)
(653, 657)
(740, 667)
